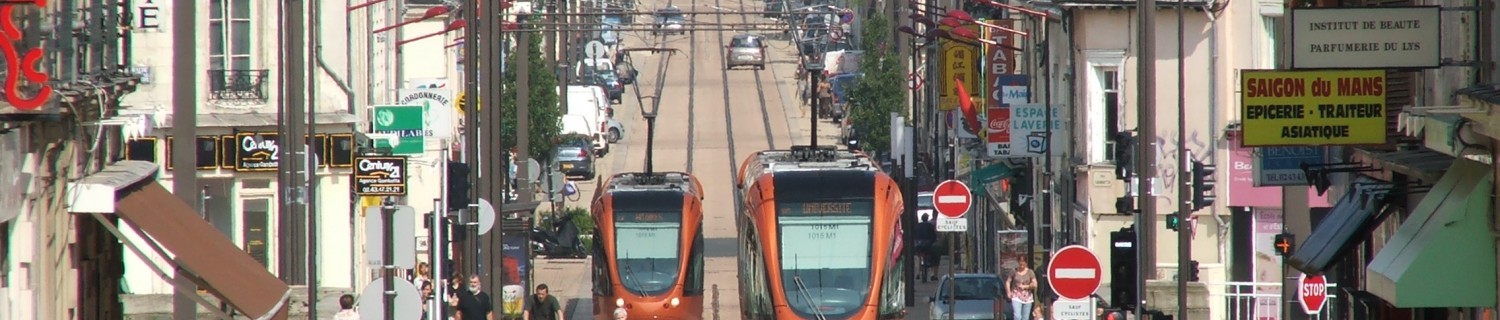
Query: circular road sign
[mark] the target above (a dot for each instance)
(595, 49)
(951, 199)
(1074, 272)
(913, 81)
(1312, 291)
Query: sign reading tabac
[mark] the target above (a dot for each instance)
(1301, 108)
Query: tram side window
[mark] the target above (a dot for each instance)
(694, 280)
(753, 284)
(602, 284)
(892, 290)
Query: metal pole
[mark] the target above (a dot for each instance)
(184, 131)
(1146, 166)
(813, 77)
(435, 245)
(952, 286)
(389, 267)
(312, 165)
(1184, 197)
(523, 113)
(1046, 222)
(471, 119)
(291, 142)
(909, 227)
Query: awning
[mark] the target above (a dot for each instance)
(1443, 255)
(1422, 164)
(1351, 216)
(170, 225)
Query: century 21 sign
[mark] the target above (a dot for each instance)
(18, 65)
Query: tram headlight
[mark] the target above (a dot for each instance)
(675, 302)
(619, 302)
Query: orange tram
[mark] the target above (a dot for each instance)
(648, 248)
(820, 237)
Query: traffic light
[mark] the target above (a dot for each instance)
(1192, 270)
(1124, 155)
(1202, 176)
(1125, 205)
(1174, 222)
(458, 186)
(1284, 244)
(1122, 263)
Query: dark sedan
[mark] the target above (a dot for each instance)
(576, 161)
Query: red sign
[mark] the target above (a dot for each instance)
(999, 124)
(1312, 291)
(1074, 272)
(17, 65)
(951, 199)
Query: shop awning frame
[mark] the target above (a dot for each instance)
(1351, 218)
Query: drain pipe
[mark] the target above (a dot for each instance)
(1213, 118)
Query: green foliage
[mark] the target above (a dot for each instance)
(582, 219)
(545, 114)
(881, 90)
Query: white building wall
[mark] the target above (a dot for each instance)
(153, 47)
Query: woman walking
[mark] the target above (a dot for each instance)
(1021, 286)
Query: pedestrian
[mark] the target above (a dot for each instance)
(474, 304)
(346, 309)
(543, 306)
(927, 247)
(422, 275)
(1021, 284)
(426, 299)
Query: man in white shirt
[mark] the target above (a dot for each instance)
(346, 309)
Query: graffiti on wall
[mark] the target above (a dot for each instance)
(1167, 168)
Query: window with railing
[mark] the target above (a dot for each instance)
(230, 35)
(237, 85)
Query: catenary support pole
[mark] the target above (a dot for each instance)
(184, 131)
(388, 254)
(471, 130)
(1145, 151)
(1047, 179)
(523, 113)
(291, 141)
(311, 159)
(1184, 194)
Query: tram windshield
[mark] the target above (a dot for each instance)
(646, 247)
(825, 255)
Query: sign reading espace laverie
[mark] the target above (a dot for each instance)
(1028, 130)
(407, 123)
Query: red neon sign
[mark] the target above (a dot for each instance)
(17, 65)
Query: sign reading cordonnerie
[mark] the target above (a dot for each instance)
(1313, 108)
(380, 176)
(1360, 38)
(256, 151)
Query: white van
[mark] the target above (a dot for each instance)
(591, 106)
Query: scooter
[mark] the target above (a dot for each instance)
(560, 242)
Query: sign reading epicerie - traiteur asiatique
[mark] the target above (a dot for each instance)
(1355, 38)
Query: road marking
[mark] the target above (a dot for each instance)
(952, 199)
(1075, 273)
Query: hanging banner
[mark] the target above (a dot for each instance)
(1006, 90)
(1313, 108)
(960, 61)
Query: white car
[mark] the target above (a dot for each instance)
(614, 131)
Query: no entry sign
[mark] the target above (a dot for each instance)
(1073, 272)
(1312, 291)
(951, 199)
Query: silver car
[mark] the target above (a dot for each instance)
(978, 296)
(746, 50)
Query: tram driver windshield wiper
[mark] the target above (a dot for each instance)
(627, 274)
(802, 288)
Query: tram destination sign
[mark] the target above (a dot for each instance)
(826, 208)
(380, 176)
(647, 216)
(1313, 108)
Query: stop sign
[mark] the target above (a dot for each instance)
(1074, 272)
(951, 199)
(1312, 291)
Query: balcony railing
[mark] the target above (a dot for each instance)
(237, 85)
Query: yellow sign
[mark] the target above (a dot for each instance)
(960, 61)
(461, 103)
(1312, 108)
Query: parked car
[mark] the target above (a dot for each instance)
(745, 50)
(576, 159)
(615, 132)
(976, 296)
(669, 20)
(612, 85)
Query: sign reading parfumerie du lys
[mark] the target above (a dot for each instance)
(380, 176)
(1313, 108)
(1361, 38)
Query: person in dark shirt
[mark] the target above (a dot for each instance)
(474, 304)
(543, 306)
(927, 248)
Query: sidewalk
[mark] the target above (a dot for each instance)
(569, 280)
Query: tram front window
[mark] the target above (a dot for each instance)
(825, 256)
(646, 247)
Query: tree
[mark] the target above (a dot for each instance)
(545, 114)
(879, 92)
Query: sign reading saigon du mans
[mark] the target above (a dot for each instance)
(1299, 108)
(380, 176)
